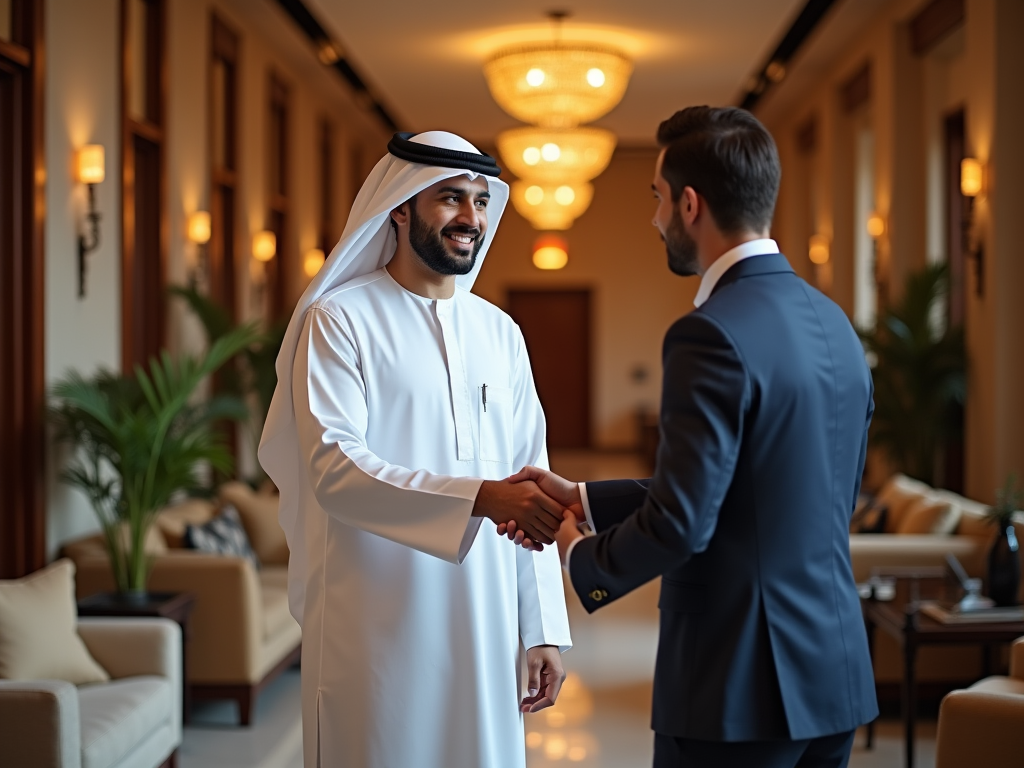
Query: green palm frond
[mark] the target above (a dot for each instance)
(920, 373)
(139, 440)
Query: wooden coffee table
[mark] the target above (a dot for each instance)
(901, 619)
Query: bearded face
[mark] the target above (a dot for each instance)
(681, 248)
(448, 250)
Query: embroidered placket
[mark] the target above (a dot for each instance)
(457, 385)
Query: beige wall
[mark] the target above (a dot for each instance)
(616, 252)
(978, 68)
(82, 106)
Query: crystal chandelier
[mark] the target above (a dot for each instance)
(549, 206)
(551, 155)
(559, 84)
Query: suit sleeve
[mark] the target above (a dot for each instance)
(428, 512)
(543, 619)
(705, 398)
(863, 448)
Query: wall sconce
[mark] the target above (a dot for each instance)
(264, 246)
(972, 184)
(876, 225)
(199, 231)
(550, 252)
(818, 249)
(314, 260)
(90, 170)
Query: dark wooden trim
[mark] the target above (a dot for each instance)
(807, 135)
(151, 129)
(19, 54)
(325, 165)
(933, 23)
(857, 89)
(278, 270)
(22, 297)
(222, 253)
(245, 694)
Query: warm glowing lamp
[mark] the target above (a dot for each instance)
(551, 155)
(971, 177)
(314, 260)
(551, 206)
(550, 253)
(199, 227)
(264, 245)
(91, 164)
(558, 83)
(818, 249)
(876, 225)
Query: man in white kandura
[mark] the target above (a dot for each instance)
(403, 402)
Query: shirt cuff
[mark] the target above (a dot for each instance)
(568, 552)
(586, 509)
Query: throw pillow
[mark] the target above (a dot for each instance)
(38, 629)
(224, 535)
(929, 516)
(259, 516)
(898, 493)
(872, 518)
(173, 520)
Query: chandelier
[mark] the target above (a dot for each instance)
(558, 84)
(551, 207)
(551, 155)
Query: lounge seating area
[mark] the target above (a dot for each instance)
(242, 634)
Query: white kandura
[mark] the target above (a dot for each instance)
(412, 610)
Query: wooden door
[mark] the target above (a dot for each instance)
(556, 326)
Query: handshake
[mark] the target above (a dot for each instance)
(534, 507)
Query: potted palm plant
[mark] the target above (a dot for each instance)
(1003, 558)
(919, 367)
(140, 439)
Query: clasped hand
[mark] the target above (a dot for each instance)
(534, 507)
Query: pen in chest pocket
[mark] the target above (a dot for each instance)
(483, 396)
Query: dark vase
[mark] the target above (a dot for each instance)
(1004, 568)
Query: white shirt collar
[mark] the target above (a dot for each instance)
(729, 259)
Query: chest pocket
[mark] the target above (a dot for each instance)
(495, 431)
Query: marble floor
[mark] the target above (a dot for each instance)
(600, 721)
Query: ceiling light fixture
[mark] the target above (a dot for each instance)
(551, 207)
(550, 252)
(582, 153)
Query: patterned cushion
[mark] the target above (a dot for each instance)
(223, 535)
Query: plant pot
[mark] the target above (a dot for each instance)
(135, 596)
(1004, 568)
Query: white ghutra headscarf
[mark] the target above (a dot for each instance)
(414, 163)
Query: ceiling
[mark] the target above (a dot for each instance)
(424, 61)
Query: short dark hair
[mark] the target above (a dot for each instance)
(728, 158)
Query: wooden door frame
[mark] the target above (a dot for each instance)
(222, 270)
(22, 301)
(279, 94)
(155, 132)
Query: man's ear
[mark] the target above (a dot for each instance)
(400, 215)
(689, 205)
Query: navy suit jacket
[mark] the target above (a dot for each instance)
(765, 410)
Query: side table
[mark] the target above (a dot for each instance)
(176, 606)
(901, 619)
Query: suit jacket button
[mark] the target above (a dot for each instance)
(597, 595)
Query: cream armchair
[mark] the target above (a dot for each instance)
(984, 724)
(133, 721)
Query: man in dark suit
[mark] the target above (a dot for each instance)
(762, 658)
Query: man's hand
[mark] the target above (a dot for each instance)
(567, 534)
(544, 663)
(534, 513)
(566, 492)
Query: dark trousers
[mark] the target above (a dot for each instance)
(824, 752)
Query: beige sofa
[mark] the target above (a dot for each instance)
(924, 524)
(984, 725)
(242, 634)
(133, 721)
